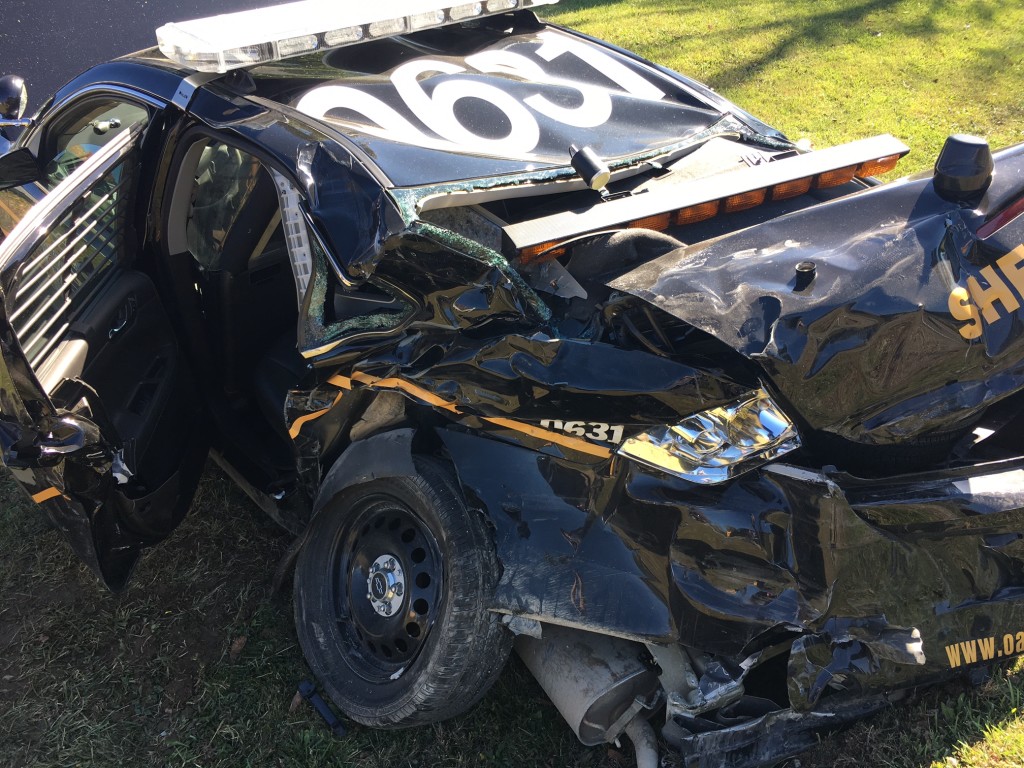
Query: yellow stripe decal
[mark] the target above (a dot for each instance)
(49, 493)
(340, 381)
(553, 437)
(296, 427)
(395, 383)
(337, 380)
(431, 399)
(297, 424)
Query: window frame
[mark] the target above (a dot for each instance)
(54, 114)
(38, 136)
(179, 183)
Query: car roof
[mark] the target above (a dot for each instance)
(495, 98)
(461, 102)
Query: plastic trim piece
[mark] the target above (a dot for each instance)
(674, 197)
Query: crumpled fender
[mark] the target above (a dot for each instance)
(388, 454)
(561, 559)
(860, 311)
(568, 555)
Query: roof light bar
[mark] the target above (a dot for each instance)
(554, 249)
(536, 240)
(234, 40)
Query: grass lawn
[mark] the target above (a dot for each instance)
(838, 70)
(197, 664)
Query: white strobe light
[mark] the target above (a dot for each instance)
(233, 40)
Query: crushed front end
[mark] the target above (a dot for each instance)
(742, 422)
(771, 608)
(811, 500)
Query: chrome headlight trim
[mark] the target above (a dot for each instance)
(718, 444)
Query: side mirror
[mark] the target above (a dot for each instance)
(13, 97)
(20, 166)
(13, 101)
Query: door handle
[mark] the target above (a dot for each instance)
(121, 324)
(69, 434)
(50, 442)
(124, 316)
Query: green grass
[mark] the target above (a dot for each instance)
(837, 70)
(148, 678)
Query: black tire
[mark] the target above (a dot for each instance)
(440, 649)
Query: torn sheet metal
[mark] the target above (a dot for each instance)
(868, 313)
(746, 561)
(564, 557)
(769, 738)
(875, 586)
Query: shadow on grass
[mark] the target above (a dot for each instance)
(820, 24)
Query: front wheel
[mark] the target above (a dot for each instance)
(390, 601)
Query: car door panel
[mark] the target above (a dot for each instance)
(113, 445)
(133, 365)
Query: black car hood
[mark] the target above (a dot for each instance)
(861, 341)
(463, 103)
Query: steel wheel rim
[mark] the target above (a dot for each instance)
(379, 647)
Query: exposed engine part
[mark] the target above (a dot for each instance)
(677, 675)
(645, 743)
(598, 683)
(716, 688)
(718, 704)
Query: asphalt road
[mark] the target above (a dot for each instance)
(50, 41)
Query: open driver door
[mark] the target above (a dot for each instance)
(99, 416)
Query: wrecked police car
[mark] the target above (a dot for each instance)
(532, 343)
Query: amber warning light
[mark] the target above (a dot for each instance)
(738, 192)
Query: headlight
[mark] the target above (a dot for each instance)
(716, 445)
